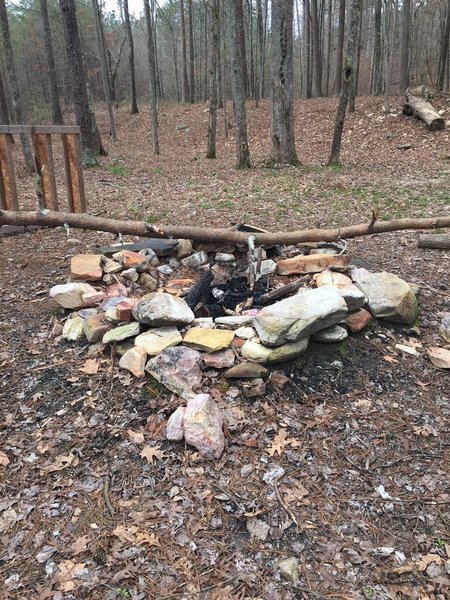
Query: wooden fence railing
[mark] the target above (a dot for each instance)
(41, 136)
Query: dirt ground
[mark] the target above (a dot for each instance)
(346, 467)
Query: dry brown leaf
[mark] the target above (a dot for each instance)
(390, 359)
(151, 452)
(136, 436)
(79, 545)
(4, 460)
(280, 441)
(68, 570)
(62, 462)
(419, 565)
(90, 367)
(425, 430)
(132, 535)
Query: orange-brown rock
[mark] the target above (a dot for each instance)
(86, 267)
(312, 263)
(358, 320)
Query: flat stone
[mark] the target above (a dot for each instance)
(246, 370)
(358, 320)
(117, 290)
(389, 297)
(246, 333)
(178, 368)
(268, 267)
(312, 263)
(183, 248)
(195, 260)
(160, 309)
(234, 321)
(148, 282)
(440, 357)
(154, 341)
(261, 354)
(223, 257)
(219, 360)
(70, 295)
(353, 296)
(294, 318)
(203, 426)
(328, 277)
(86, 267)
(131, 260)
(95, 327)
(165, 270)
(330, 335)
(93, 298)
(131, 274)
(204, 322)
(176, 286)
(110, 266)
(175, 429)
(208, 340)
(73, 329)
(134, 361)
(289, 569)
(150, 256)
(444, 328)
(121, 333)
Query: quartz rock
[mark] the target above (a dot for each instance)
(154, 341)
(178, 368)
(203, 426)
(73, 329)
(174, 429)
(160, 309)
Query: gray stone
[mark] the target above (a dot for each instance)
(95, 327)
(148, 282)
(246, 370)
(245, 333)
(160, 309)
(231, 322)
(255, 352)
(184, 248)
(154, 341)
(121, 333)
(253, 387)
(165, 270)
(289, 569)
(174, 429)
(389, 297)
(178, 368)
(203, 426)
(295, 318)
(444, 328)
(131, 275)
(150, 256)
(110, 266)
(331, 335)
(268, 267)
(353, 296)
(223, 257)
(195, 260)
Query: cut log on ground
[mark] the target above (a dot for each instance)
(420, 108)
(435, 240)
(205, 234)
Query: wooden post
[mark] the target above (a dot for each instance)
(74, 172)
(43, 157)
(8, 188)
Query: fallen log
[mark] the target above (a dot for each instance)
(282, 291)
(440, 241)
(420, 108)
(204, 234)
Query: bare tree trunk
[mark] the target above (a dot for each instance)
(241, 42)
(443, 55)
(126, 15)
(152, 74)
(340, 48)
(406, 35)
(347, 80)
(317, 55)
(260, 37)
(329, 37)
(307, 21)
(101, 48)
(192, 95)
(175, 62)
(377, 65)
(220, 92)
(212, 122)
(242, 150)
(54, 95)
(282, 74)
(90, 135)
(13, 85)
(186, 93)
(354, 86)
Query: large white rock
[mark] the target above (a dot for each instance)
(268, 356)
(295, 318)
(70, 295)
(389, 297)
(73, 329)
(203, 426)
(156, 340)
(160, 310)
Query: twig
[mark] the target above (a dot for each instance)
(109, 506)
(284, 505)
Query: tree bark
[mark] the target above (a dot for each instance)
(307, 36)
(126, 15)
(317, 54)
(90, 135)
(440, 241)
(340, 48)
(241, 42)
(212, 120)
(8, 59)
(423, 110)
(101, 48)
(202, 234)
(443, 56)
(347, 80)
(184, 53)
(282, 74)
(152, 76)
(54, 94)
(406, 35)
(242, 150)
(192, 96)
(377, 64)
